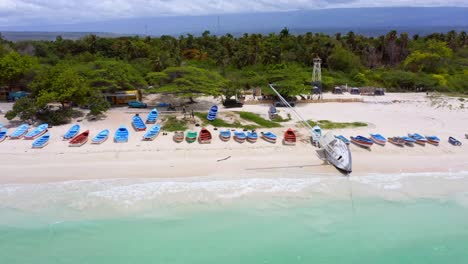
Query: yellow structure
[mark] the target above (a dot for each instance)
(123, 97)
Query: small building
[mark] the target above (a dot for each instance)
(315, 90)
(337, 90)
(355, 91)
(123, 97)
(12, 94)
(379, 91)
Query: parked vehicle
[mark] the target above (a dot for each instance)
(232, 103)
(137, 104)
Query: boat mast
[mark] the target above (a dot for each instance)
(293, 110)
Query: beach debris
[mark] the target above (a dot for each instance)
(228, 157)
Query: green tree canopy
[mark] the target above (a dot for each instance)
(14, 66)
(191, 82)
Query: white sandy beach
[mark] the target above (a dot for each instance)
(390, 115)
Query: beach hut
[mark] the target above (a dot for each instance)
(379, 91)
(315, 90)
(337, 90)
(355, 91)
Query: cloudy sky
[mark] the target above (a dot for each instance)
(24, 12)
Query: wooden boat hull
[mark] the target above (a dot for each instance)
(150, 138)
(397, 142)
(79, 140)
(138, 124)
(98, 142)
(178, 137)
(454, 141)
(72, 132)
(3, 135)
(35, 136)
(41, 146)
(17, 135)
(251, 140)
(432, 142)
(152, 117)
(121, 135)
(239, 140)
(289, 138)
(204, 136)
(78, 144)
(289, 143)
(152, 133)
(225, 139)
(362, 143)
(378, 141)
(268, 138)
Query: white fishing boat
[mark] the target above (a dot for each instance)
(316, 135)
(332, 150)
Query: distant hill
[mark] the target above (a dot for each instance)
(368, 21)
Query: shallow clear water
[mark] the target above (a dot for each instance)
(92, 222)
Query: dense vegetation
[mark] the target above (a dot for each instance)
(77, 72)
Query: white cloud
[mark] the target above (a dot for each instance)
(23, 12)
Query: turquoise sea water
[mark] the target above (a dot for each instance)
(66, 224)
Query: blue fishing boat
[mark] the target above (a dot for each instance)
(343, 138)
(38, 131)
(72, 132)
(212, 113)
(239, 136)
(152, 116)
(3, 134)
(121, 135)
(454, 141)
(138, 123)
(269, 137)
(409, 141)
(42, 141)
(252, 136)
(101, 137)
(378, 139)
(225, 135)
(419, 139)
(433, 140)
(152, 133)
(362, 141)
(19, 132)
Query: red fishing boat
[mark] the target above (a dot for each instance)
(79, 140)
(289, 137)
(205, 136)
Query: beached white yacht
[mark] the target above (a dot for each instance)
(336, 152)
